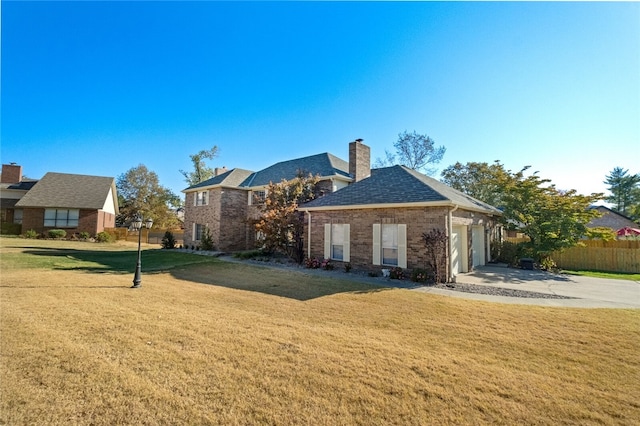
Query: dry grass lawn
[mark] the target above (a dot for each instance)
(208, 342)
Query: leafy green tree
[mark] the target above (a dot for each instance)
(139, 192)
(483, 181)
(281, 225)
(415, 151)
(553, 220)
(625, 191)
(201, 171)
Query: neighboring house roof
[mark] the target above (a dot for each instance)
(324, 165)
(232, 178)
(394, 186)
(62, 190)
(610, 219)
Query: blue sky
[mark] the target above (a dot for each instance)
(100, 87)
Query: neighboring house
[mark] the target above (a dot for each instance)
(370, 218)
(75, 203)
(611, 219)
(12, 188)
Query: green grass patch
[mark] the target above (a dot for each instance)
(602, 274)
(65, 255)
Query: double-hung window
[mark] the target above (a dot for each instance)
(390, 245)
(336, 242)
(202, 198)
(198, 231)
(61, 218)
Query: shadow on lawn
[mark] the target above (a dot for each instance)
(292, 283)
(299, 284)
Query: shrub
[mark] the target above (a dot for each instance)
(10, 228)
(84, 236)
(312, 263)
(396, 273)
(168, 241)
(347, 267)
(420, 275)
(104, 237)
(327, 265)
(57, 233)
(207, 240)
(31, 234)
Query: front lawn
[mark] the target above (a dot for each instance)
(600, 274)
(209, 342)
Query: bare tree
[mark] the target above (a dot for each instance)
(415, 151)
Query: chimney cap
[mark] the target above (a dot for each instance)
(359, 140)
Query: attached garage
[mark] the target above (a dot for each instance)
(459, 251)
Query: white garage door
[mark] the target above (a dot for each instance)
(478, 245)
(459, 253)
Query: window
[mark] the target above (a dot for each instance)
(17, 216)
(390, 245)
(258, 197)
(202, 198)
(61, 218)
(336, 242)
(198, 231)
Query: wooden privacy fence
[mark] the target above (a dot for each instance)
(597, 255)
(152, 236)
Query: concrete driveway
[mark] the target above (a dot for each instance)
(587, 292)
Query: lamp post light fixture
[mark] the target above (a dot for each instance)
(137, 225)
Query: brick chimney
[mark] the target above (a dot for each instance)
(359, 160)
(218, 171)
(11, 173)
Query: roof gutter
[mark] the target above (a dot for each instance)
(450, 226)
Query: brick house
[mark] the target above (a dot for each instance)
(75, 203)
(378, 222)
(611, 219)
(372, 219)
(12, 188)
(227, 203)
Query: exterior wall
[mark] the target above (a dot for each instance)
(418, 221)
(234, 227)
(91, 221)
(469, 219)
(225, 215)
(208, 215)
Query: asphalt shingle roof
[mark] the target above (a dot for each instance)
(398, 185)
(320, 164)
(64, 190)
(233, 177)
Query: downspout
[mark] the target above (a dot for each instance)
(451, 276)
(309, 237)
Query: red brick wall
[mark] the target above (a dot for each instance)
(91, 221)
(418, 221)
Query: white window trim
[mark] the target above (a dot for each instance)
(346, 245)
(402, 245)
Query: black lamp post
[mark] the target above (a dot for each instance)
(137, 225)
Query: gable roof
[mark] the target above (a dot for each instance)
(63, 190)
(397, 185)
(233, 178)
(324, 165)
